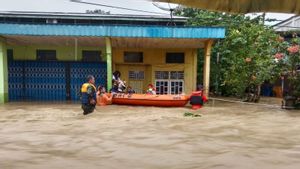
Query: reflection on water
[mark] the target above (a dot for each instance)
(227, 135)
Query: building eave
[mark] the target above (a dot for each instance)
(112, 31)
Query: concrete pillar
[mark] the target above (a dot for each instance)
(3, 72)
(206, 69)
(109, 62)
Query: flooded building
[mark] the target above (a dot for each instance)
(46, 56)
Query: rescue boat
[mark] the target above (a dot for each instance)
(150, 100)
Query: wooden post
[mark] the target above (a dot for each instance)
(3, 72)
(206, 69)
(109, 62)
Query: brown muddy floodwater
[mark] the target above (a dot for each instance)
(228, 135)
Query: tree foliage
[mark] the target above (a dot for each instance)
(288, 57)
(246, 54)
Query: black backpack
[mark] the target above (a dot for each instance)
(196, 100)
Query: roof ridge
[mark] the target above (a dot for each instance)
(86, 14)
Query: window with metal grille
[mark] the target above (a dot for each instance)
(176, 86)
(91, 56)
(169, 82)
(136, 75)
(161, 75)
(175, 58)
(133, 57)
(46, 55)
(162, 86)
(176, 75)
(169, 75)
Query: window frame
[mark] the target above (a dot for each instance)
(128, 60)
(136, 75)
(40, 58)
(169, 82)
(99, 57)
(170, 55)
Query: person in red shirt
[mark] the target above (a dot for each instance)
(151, 90)
(198, 99)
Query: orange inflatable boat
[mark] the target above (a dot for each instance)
(151, 100)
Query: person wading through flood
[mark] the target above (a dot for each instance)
(88, 95)
(198, 99)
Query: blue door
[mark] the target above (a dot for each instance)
(79, 72)
(51, 81)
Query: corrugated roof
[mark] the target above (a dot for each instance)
(112, 31)
(88, 16)
(284, 21)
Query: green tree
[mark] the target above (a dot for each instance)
(246, 55)
(288, 57)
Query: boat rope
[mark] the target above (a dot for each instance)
(247, 103)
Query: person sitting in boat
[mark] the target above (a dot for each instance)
(151, 90)
(121, 86)
(103, 98)
(114, 88)
(116, 76)
(118, 87)
(198, 99)
(130, 90)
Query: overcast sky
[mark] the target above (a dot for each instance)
(67, 6)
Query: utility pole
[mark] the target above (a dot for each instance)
(264, 18)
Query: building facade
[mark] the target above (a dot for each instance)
(46, 56)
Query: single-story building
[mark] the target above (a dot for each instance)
(46, 56)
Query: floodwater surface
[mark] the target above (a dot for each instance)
(227, 135)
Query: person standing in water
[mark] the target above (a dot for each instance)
(88, 95)
(197, 98)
